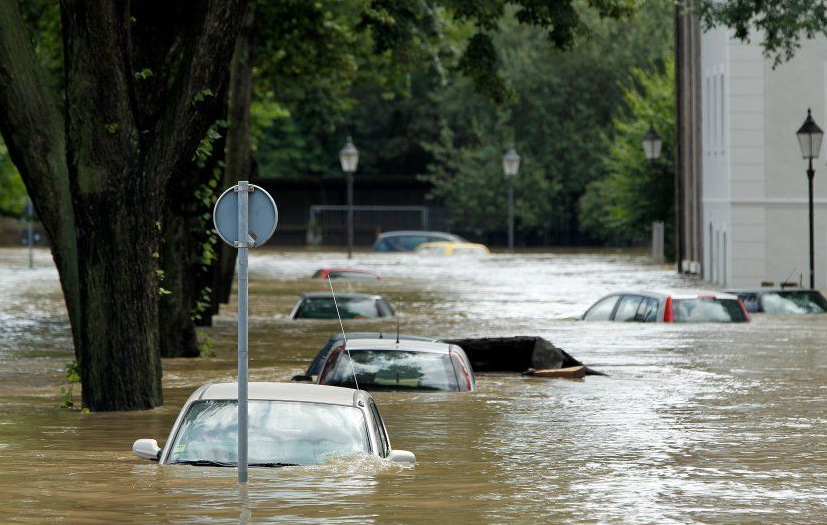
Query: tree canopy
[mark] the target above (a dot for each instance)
(780, 24)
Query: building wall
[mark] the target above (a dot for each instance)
(755, 188)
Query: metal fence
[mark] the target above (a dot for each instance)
(327, 224)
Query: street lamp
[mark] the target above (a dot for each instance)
(651, 148)
(652, 144)
(809, 138)
(349, 157)
(511, 164)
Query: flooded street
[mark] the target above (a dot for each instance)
(694, 423)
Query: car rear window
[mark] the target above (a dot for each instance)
(392, 370)
(708, 310)
(793, 303)
(325, 308)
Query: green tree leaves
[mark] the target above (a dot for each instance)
(621, 206)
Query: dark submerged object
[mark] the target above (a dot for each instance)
(516, 354)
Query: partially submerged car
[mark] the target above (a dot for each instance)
(345, 273)
(320, 305)
(782, 300)
(336, 339)
(388, 364)
(452, 248)
(675, 306)
(289, 424)
(408, 240)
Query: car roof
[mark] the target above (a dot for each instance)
(679, 293)
(328, 295)
(390, 344)
(693, 294)
(770, 290)
(332, 395)
(446, 235)
(352, 336)
(456, 244)
(346, 270)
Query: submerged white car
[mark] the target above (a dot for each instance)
(289, 424)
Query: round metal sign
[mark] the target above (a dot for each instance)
(262, 216)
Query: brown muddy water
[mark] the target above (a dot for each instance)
(705, 423)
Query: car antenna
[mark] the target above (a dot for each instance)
(344, 336)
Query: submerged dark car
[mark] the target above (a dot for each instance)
(336, 339)
(675, 306)
(388, 364)
(320, 305)
(782, 301)
(408, 240)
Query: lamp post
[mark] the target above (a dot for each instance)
(651, 148)
(809, 138)
(511, 164)
(349, 157)
(652, 144)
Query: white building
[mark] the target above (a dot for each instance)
(754, 183)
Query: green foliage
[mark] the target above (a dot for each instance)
(206, 346)
(781, 24)
(564, 103)
(621, 206)
(72, 378)
(12, 191)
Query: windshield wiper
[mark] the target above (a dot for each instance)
(274, 465)
(205, 463)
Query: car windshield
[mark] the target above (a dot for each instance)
(703, 310)
(280, 432)
(349, 308)
(393, 370)
(793, 302)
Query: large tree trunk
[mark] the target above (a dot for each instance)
(239, 165)
(116, 206)
(33, 130)
(187, 269)
(128, 129)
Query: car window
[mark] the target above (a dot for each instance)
(750, 301)
(279, 432)
(647, 312)
(703, 310)
(349, 308)
(602, 310)
(385, 309)
(627, 309)
(379, 430)
(392, 370)
(793, 302)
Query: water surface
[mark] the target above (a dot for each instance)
(695, 423)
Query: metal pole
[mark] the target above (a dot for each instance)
(510, 215)
(30, 228)
(350, 215)
(810, 174)
(243, 247)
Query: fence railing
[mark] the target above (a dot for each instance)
(328, 223)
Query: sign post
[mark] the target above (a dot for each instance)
(245, 216)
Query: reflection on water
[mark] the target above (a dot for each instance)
(709, 423)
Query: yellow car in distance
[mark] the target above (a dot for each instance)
(452, 248)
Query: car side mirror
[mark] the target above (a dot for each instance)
(402, 456)
(301, 378)
(147, 449)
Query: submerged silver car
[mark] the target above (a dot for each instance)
(669, 306)
(289, 424)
